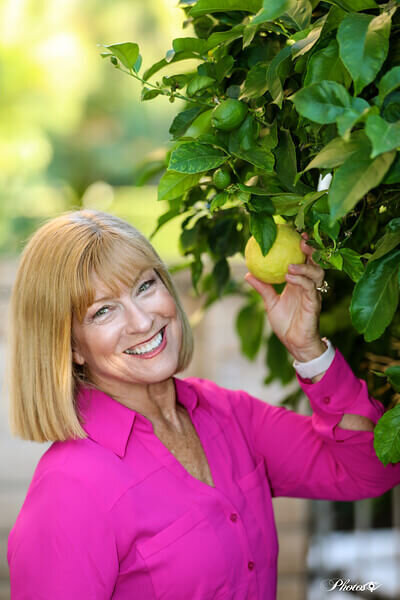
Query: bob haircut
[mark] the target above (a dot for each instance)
(53, 283)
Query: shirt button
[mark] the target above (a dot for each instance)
(234, 517)
(327, 399)
(250, 565)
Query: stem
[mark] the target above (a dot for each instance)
(164, 91)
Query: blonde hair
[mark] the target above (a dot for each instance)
(52, 284)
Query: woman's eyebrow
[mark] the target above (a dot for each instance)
(138, 276)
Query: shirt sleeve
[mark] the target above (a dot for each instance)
(309, 456)
(62, 545)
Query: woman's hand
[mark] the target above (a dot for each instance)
(294, 314)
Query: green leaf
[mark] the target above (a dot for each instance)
(351, 116)
(389, 240)
(352, 263)
(182, 121)
(224, 66)
(261, 204)
(164, 63)
(336, 152)
(393, 174)
(196, 268)
(299, 14)
(138, 64)
(173, 184)
(304, 43)
(248, 132)
(389, 82)
(188, 44)
(192, 157)
(221, 273)
(363, 46)
(255, 84)
(224, 37)
(263, 228)
(218, 201)
(384, 136)
(252, 189)
(257, 156)
(249, 326)
(387, 436)
(326, 64)
(273, 9)
(286, 164)
(355, 178)
(149, 94)
(322, 102)
(205, 7)
(126, 52)
(198, 83)
(353, 5)
(376, 296)
(248, 34)
(277, 72)
(393, 374)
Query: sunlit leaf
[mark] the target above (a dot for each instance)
(272, 9)
(357, 175)
(126, 52)
(205, 7)
(173, 184)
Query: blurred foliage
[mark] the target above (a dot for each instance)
(71, 133)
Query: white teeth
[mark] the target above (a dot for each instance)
(143, 348)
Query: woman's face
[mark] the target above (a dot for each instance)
(143, 321)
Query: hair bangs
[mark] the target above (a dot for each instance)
(115, 262)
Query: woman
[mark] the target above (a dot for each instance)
(158, 487)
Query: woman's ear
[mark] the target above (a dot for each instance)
(77, 358)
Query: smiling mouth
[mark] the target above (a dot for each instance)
(149, 346)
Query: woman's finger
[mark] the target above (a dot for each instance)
(310, 270)
(304, 282)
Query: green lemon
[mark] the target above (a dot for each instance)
(221, 178)
(286, 250)
(229, 114)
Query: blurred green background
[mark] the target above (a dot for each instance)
(72, 127)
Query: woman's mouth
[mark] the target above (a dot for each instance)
(149, 349)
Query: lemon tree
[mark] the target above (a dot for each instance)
(277, 95)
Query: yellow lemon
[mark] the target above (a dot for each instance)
(286, 250)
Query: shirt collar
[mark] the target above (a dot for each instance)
(109, 423)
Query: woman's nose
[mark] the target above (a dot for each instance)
(137, 318)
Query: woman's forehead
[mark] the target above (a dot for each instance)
(102, 288)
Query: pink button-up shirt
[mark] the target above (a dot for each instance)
(117, 516)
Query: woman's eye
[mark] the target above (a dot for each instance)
(99, 313)
(146, 284)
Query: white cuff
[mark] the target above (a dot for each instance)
(318, 365)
